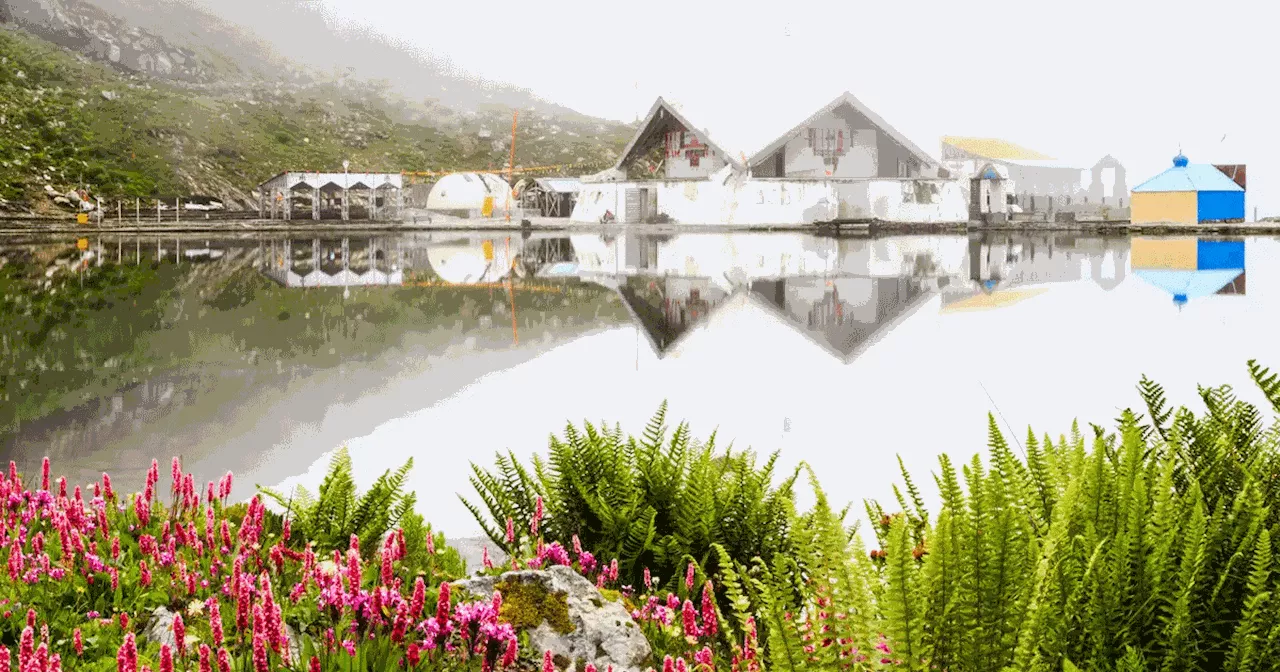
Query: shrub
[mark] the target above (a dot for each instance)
(654, 503)
(1146, 549)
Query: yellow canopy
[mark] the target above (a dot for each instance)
(993, 300)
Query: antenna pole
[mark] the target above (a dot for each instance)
(511, 164)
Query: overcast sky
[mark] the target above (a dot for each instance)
(1133, 79)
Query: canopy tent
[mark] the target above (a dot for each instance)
(990, 298)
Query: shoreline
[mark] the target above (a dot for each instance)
(29, 226)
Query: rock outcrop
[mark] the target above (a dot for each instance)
(159, 629)
(80, 26)
(564, 613)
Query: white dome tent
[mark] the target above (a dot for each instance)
(466, 195)
(471, 262)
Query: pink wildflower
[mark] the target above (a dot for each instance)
(388, 572)
(690, 620)
(224, 661)
(419, 598)
(260, 652)
(127, 656)
(215, 622)
(77, 641)
(205, 655)
(688, 577)
(179, 635)
(442, 604)
(509, 657)
(668, 665)
(44, 474)
(166, 658)
(107, 492)
(537, 517)
(26, 648)
(548, 665)
(511, 530)
(708, 609)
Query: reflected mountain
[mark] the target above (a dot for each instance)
(136, 346)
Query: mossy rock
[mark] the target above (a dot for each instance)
(526, 605)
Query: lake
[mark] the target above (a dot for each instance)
(261, 355)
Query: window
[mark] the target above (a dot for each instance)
(902, 169)
(826, 142)
(694, 159)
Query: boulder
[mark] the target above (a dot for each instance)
(159, 629)
(562, 612)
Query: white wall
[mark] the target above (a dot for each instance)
(783, 202)
(895, 201)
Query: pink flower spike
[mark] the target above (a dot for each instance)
(548, 665)
(166, 658)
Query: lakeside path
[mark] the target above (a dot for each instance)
(62, 226)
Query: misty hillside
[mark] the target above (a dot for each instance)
(157, 98)
(256, 33)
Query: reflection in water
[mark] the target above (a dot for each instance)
(1190, 268)
(126, 348)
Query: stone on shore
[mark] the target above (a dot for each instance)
(564, 613)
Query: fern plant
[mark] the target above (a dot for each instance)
(337, 512)
(652, 502)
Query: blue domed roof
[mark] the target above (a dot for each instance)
(1180, 161)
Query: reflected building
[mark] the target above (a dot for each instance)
(1018, 264)
(840, 294)
(333, 263)
(1189, 268)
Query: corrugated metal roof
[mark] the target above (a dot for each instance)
(1193, 177)
(560, 185)
(993, 148)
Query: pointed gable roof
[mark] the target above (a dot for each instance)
(660, 116)
(1192, 177)
(845, 98)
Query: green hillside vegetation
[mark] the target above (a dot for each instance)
(65, 122)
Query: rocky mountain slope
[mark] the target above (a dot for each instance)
(159, 98)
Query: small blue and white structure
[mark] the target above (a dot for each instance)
(1187, 194)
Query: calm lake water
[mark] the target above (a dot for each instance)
(261, 356)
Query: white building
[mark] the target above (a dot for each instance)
(843, 163)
